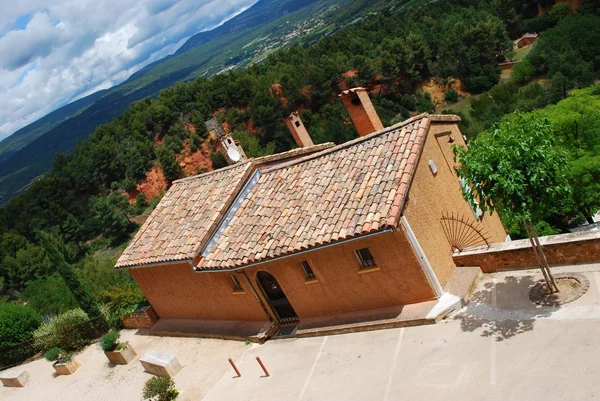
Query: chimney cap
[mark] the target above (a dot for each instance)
(294, 114)
(353, 90)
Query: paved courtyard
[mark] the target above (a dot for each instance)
(500, 347)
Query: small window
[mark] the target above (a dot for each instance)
(365, 258)
(237, 287)
(307, 270)
(297, 123)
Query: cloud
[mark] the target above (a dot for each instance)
(20, 47)
(71, 48)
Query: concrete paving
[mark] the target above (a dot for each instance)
(499, 347)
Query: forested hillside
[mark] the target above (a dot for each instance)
(96, 197)
(247, 38)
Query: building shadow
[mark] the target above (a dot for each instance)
(502, 309)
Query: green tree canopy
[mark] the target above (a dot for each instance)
(517, 168)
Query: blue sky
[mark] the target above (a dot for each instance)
(56, 51)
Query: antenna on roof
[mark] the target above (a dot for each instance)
(231, 148)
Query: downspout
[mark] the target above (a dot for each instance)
(431, 276)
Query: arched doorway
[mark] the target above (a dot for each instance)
(276, 299)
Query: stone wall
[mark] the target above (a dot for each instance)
(142, 318)
(562, 249)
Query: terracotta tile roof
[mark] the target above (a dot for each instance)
(185, 217)
(296, 152)
(349, 190)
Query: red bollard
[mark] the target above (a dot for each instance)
(235, 368)
(263, 367)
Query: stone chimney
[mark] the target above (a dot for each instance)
(298, 130)
(361, 110)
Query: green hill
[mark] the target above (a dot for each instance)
(246, 39)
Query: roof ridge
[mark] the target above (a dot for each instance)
(195, 177)
(348, 144)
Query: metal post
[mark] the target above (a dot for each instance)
(235, 368)
(263, 367)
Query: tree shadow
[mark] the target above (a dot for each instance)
(502, 309)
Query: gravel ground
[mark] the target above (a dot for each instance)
(204, 363)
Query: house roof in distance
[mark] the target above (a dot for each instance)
(349, 190)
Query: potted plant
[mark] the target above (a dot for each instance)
(117, 352)
(161, 388)
(64, 362)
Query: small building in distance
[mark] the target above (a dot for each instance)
(526, 40)
(316, 236)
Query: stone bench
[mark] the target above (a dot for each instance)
(14, 377)
(160, 364)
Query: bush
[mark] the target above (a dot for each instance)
(124, 295)
(62, 330)
(451, 96)
(52, 354)
(140, 200)
(49, 295)
(160, 389)
(17, 324)
(522, 72)
(218, 160)
(109, 341)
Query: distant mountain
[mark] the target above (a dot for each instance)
(245, 39)
(28, 134)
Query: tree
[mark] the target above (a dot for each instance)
(168, 161)
(55, 248)
(522, 72)
(218, 160)
(49, 295)
(584, 176)
(518, 169)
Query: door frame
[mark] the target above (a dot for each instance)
(289, 321)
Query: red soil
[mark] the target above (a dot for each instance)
(192, 162)
(154, 184)
(278, 93)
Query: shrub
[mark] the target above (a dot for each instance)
(160, 389)
(140, 200)
(49, 295)
(451, 96)
(109, 341)
(17, 324)
(64, 331)
(124, 295)
(218, 160)
(52, 354)
(522, 72)
(195, 142)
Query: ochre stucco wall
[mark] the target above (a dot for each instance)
(431, 195)
(341, 288)
(176, 292)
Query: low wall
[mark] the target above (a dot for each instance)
(562, 249)
(142, 318)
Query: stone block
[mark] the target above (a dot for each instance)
(14, 377)
(160, 364)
